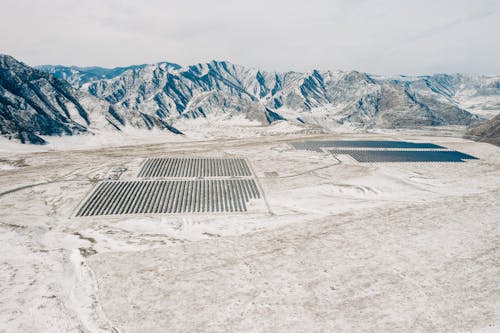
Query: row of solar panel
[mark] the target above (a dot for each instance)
(170, 196)
(369, 156)
(317, 145)
(195, 167)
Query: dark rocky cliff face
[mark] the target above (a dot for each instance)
(34, 103)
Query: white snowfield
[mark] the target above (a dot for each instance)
(338, 246)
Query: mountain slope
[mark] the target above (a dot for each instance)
(478, 94)
(318, 97)
(34, 104)
(486, 132)
(192, 92)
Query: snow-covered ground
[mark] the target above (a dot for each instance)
(340, 246)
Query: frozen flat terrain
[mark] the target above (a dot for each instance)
(333, 244)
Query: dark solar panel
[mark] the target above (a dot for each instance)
(382, 144)
(185, 167)
(367, 156)
(317, 145)
(170, 196)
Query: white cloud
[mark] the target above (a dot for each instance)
(378, 36)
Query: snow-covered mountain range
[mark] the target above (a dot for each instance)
(34, 103)
(78, 76)
(41, 101)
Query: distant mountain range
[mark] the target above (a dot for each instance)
(78, 76)
(58, 100)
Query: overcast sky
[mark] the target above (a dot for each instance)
(376, 36)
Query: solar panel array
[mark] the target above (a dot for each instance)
(369, 156)
(386, 151)
(317, 145)
(177, 185)
(195, 167)
(170, 196)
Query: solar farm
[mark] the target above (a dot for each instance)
(317, 145)
(195, 167)
(170, 196)
(183, 185)
(386, 151)
(298, 233)
(400, 156)
(180, 185)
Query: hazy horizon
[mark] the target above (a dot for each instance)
(382, 37)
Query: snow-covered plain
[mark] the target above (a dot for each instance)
(339, 246)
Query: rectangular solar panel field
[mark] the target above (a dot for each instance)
(367, 156)
(170, 196)
(185, 167)
(317, 145)
(382, 144)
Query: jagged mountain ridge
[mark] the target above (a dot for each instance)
(78, 76)
(34, 103)
(158, 95)
(320, 97)
(192, 92)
